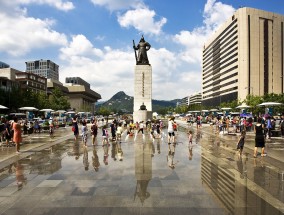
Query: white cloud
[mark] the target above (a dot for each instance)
(137, 16)
(143, 20)
(113, 69)
(175, 74)
(58, 4)
(113, 5)
(80, 46)
(216, 13)
(23, 34)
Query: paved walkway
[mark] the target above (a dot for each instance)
(141, 175)
(36, 141)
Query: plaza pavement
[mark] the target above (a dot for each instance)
(68, 188)
(274, 147)
(32, 142)
(38, 141)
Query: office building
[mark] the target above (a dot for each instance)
(76, 81)
(44, 68)
(80, 95)
(245, 56)
(195, 98)
(184, 101)
(10, 77)
(32, 82)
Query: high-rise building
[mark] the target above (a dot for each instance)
(44, 68)
(184, 101)
(245, 56)
(195, 98)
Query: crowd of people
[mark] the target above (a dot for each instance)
(12, 133)
(236, 124)
(12, 130)
(112, 134)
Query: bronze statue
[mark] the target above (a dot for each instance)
(142, 48)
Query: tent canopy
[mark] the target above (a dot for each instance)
(28, 108)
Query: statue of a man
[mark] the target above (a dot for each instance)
(142, 48)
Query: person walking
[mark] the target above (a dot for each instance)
(17, 137)
(51, 129)
(7, 133)
(84, 131)
(94, 131)
(113, 130)
(141, 127)
(171, 133)
(269, 127)
(259, 138)
(241, 142)
(75, 127)
(105, 135)
(25, 126)
(119, 131)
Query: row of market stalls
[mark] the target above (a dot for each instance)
(225, 111)
(30, 113)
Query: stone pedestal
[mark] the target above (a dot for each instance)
(142, 92)
(142, 115)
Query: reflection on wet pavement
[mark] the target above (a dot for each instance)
(141, 175)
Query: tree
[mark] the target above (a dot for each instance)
(58, 101)
(15, 99)
(104, 111)
(43, 101)
(162, 111)
(232, 104)
(181, 109)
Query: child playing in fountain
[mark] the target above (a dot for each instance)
(241, 142)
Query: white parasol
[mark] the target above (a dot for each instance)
(28, 108)
(269, 104)
(243, 106)
(46, 110)
(226, 108)
(3, 107)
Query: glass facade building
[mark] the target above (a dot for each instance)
(44, 68)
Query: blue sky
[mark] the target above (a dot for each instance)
(92, 39)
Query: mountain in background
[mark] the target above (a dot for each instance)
(123, 102)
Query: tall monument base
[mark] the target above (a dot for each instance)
(142, 115)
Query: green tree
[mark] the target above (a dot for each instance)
(162, 111)
(232, 104)
(15, 99)
(193, 107)
(105, 112)
(181, 109)
(58, 101)
(43, 101)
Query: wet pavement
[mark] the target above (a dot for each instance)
(141, 176)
